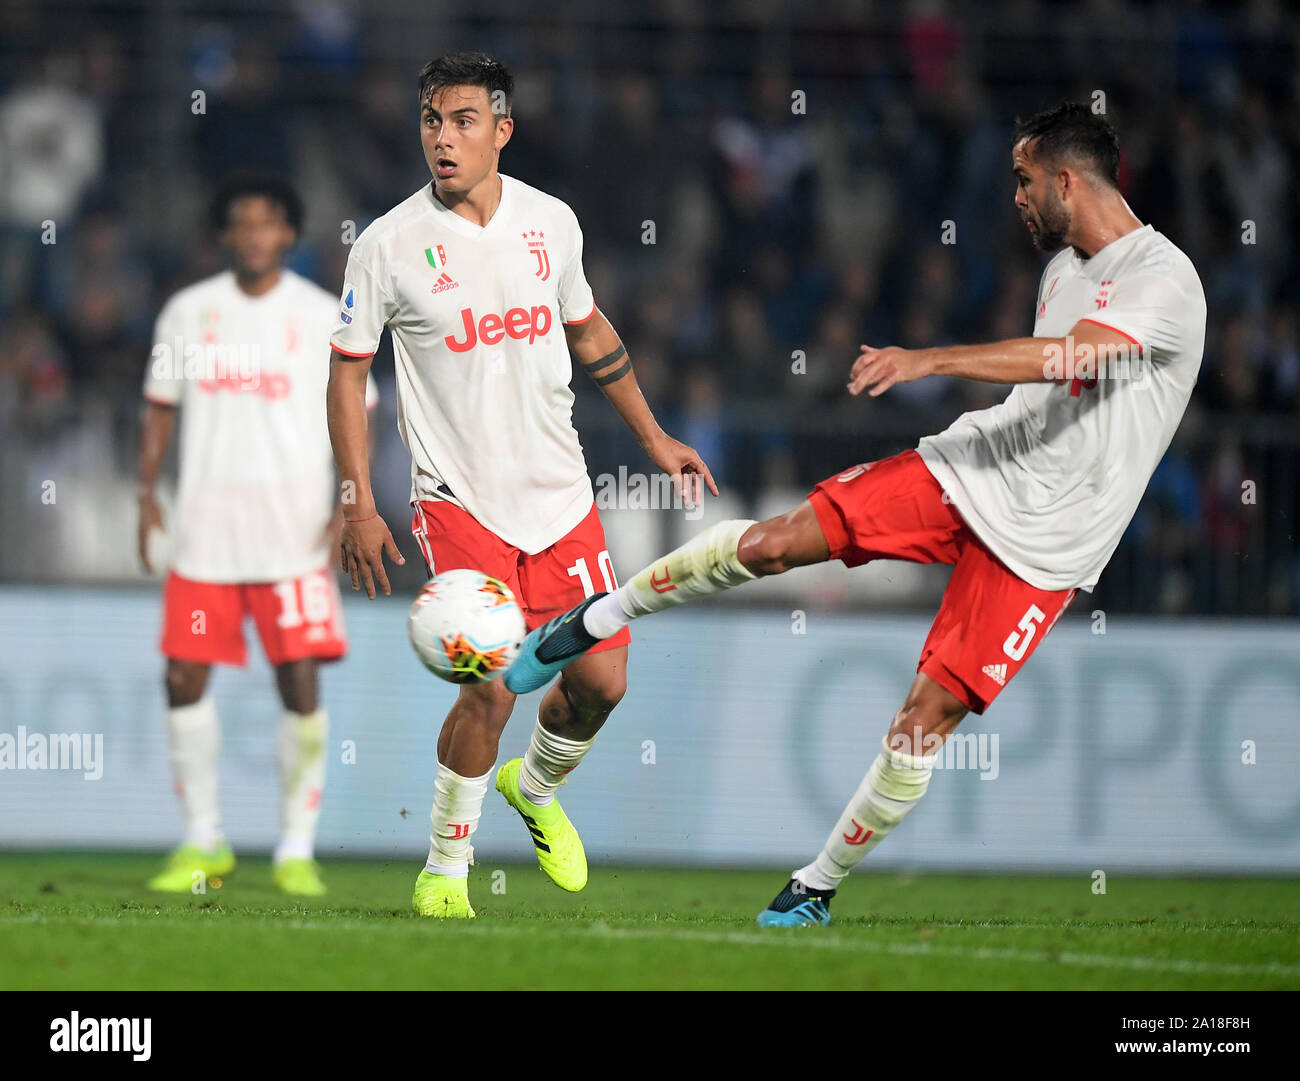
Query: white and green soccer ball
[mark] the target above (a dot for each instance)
(466, 626)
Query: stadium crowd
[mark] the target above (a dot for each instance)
(758, 196)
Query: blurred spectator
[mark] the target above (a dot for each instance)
(51, 146)
(35, 390)
(51, 151)
(765, 180)
(247, 124)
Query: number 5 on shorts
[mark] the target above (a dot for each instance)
(1015, 646)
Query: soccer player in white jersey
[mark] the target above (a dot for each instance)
(479, 277)
(243, 357)
(1026, 500)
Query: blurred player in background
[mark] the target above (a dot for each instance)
(243, 354)
(1026, 500)
(480, 279)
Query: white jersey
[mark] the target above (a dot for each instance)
(1050, 478)
(483, 367)
(256, 486)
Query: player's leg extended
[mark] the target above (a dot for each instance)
(194, 744)
(467, 749)
(896, 781)
(723, 556)
(989, 623)
(301, 754)
(571, 714)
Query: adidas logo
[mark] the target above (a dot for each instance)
(535, 830)
(445, 281)
(997, 673)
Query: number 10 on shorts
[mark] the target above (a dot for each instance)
(580, 571)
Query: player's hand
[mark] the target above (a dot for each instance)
(362, 546)
(687, 469)
(876, 370)
(151, 518)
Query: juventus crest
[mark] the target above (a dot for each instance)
(537, 246)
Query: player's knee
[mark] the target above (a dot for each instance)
(765, 548)
(488, 704)
(596, 695)
(929, 708)
(185, 683)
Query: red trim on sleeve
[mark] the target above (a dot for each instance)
(579, 322)
(1130, 337)
(160, 401)
(349, 353)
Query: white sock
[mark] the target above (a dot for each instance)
(705, 564)
(605, 618)
(548, 760)
(300, 749)
(891, 788)
(457, 805)
(194, 744)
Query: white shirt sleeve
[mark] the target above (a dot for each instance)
(577, 305)
(1151, 311)
(366, 305)
(164, 378)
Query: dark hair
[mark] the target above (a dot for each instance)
(1072, 130)
(240, 185)
(468, 69)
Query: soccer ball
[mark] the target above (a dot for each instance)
(466, 627)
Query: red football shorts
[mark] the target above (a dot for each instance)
(990, 621)
(296, 618)
(546, 584)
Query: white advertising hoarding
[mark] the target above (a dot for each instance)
(1157, 745)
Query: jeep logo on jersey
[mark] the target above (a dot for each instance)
(518, 323)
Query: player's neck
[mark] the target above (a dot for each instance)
(478, 204)
(1104, 225)
(256, 285)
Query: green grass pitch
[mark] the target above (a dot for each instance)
(84, 921)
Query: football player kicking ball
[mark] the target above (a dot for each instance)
(242, 356)
(480, 279)
(1026, 500)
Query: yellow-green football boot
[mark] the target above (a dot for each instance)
(442, 897)
(559, 848)
(187, 863)
(300, 877)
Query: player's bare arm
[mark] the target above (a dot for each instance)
(603, 357)
(156, 428)
(365, 536)
(334, 528)
(1016, 360)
